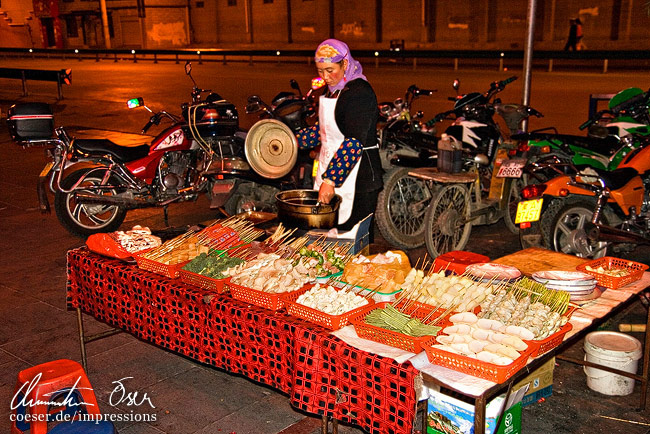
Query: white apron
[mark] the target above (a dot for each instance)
(331, 138)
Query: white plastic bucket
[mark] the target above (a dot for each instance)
(616, 350)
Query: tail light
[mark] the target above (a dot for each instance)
(210, 115)
(545, 149)
(523, 147)
(512, 152)
(533, 191)
(524, 225)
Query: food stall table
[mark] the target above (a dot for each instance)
(583, 321)
(321, 373)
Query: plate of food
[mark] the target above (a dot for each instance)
(492, 271)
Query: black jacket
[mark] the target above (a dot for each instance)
(356, 116)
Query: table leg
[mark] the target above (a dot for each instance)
(335, 426)
(323, 425)
(646, 361)
(479, 415)
(82, 339)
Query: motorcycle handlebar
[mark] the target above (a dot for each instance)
(593, 120)
(426, 92)
(640, 98)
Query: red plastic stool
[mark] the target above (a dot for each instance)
(84, 427)
(41, 389)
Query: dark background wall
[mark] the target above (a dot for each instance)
(432, 24)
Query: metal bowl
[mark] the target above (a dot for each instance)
(301, 209)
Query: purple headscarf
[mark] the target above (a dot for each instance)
(333, 51)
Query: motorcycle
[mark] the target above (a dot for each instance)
(404, 143)
(476, 131)
(602, 148)
(252, 191)
(590, 210)
(95, 181)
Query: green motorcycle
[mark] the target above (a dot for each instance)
(602, 148)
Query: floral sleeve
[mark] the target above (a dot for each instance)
(343, 161)
(308, 137)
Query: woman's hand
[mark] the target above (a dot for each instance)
(325, 193)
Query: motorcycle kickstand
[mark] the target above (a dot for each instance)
(166, 216)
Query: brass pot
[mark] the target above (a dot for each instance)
(301, 209)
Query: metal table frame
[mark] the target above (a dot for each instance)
(481, 401)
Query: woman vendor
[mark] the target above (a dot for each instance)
(348, 161)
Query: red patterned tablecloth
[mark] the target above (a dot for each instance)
(320, 373)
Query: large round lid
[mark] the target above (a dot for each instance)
(613, 342)
(271, 148)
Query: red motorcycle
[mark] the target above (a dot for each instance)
(95, 181)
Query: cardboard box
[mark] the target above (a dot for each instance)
(360, 243)
(540, 383)
(448, 415)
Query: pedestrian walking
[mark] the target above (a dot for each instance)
(572, 41)
(579, 34)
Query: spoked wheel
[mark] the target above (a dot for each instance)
(447, 224)
(567, 228)
(83, 219)
(401, 208)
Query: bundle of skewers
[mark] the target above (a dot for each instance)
(327, 258)
(223, 234)
(458, 292)
(177, 250)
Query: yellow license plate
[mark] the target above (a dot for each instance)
(529, 211)
(46, 169)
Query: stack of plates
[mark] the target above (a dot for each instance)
(493, 272)
(580, 285)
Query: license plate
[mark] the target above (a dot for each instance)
(529, 211)
(511, 169)
(46, 169)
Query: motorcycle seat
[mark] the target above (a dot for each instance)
(616, 179)
(105, 146)
(603, 146)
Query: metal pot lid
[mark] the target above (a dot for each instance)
(271, 148)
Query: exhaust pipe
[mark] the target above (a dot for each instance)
(113, 200)
(608, 233)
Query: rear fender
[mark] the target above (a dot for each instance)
(558, 183)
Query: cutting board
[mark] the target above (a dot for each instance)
(535, 259)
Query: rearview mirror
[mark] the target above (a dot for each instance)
(253, 107)
(135, 102)
(456, 85)
(294, 84)
(253, 99)
(188, 67)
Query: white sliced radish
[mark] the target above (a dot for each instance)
(477, 346)
(464, 317)
(521, 332)
(515, 342)
(486, 356)
(481, 334)
(503, 361)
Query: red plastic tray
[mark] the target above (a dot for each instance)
(259, 298)
(475, 367)
(332, 322)
(636, 271)
(389, 337)
(202, 281)
(539, 347)
(172, 271)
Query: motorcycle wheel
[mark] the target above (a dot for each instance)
(251, 197)
(401, 208)
(514, 196)
(447, 224)
(86, 219)
(565, 228)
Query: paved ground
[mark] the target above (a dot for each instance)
(190, 397)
